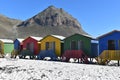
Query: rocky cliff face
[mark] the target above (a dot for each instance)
(50, 21)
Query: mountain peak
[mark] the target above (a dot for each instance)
(54, 8)
(51, 7)
(50, 18)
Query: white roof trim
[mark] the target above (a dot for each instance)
(59, 37)
(6, 40)
(87, 35)
(36, 38)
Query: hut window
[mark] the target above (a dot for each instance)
(111, 44)
(50, 45)
(73, 45)
(80, 45)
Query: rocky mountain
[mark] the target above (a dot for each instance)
(7, 27)
(50, 21)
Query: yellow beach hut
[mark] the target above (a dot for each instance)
(53, 42)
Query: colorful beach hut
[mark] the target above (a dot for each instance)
(77, 46)
(54, 43)
(17, 47)
(6, 46)
(109, 45)
(78, 42)
(31, 43)
(18, 44)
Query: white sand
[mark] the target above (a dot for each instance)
(47, 70)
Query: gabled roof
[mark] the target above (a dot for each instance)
(59, 37)
(107, 34)
(85, 35)
(89, 36)
(6, 40)
(36, 38)
(55, 36)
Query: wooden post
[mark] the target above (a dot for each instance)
(78, 60)
(118, 63)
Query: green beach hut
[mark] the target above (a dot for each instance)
(6, 46)
(78, 42)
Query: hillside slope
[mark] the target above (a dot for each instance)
(6, 27)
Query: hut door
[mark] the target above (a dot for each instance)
(32, 47)
(80, 45)
(47, 45)
(28, 46)
(73, 45)
(111, 44)
(53, 46)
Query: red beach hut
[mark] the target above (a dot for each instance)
(31, 43)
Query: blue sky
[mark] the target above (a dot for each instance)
(96, 16)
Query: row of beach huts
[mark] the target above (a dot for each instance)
(78, 46)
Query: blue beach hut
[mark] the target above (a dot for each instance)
(18, 44)
(109, 45)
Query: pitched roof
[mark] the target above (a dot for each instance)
(55, 36)
(59, 37)
(6, 40)
(107, 34)
(36, 38)
(89, 36)
(85, 35)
